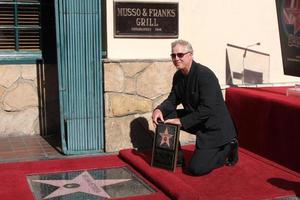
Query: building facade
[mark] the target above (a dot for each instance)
(46, 44)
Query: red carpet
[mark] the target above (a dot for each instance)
(14, 185)
(252, 178)
(267, 123)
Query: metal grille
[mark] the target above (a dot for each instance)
(79, 56)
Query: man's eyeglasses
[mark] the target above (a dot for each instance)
(179, 55)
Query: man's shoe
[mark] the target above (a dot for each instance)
(232, 157)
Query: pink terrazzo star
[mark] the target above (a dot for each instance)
(82, 183)
(165, 138)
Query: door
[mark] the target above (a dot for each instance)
(78, 32)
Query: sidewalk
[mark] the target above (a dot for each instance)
(26, 148)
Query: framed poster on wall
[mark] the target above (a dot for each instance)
(288, 13)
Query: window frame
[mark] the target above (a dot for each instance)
(20, 55)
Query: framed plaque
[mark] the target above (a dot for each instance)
(165, 146)
(145, 19)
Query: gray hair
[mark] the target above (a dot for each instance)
(183, 43)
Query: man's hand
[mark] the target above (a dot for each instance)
(175, 121)
(156, 116)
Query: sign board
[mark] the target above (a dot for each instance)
(145, 19)
(165, 146)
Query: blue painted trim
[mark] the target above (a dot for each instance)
(20, 58)
(88, 152)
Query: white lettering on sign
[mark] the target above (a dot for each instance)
(146, 22)
(129, 12)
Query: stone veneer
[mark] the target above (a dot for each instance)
(19, 112)
(132, 90)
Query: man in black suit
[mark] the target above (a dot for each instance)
(205, 114)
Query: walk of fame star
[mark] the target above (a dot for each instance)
(165, 138)
(82, 183)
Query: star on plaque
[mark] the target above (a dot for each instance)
(165, 138)
(82, 183)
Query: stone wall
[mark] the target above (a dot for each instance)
(19, 112)
(132, 90)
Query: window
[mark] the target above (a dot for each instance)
(20, 29)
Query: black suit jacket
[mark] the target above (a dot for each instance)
(206, 114)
